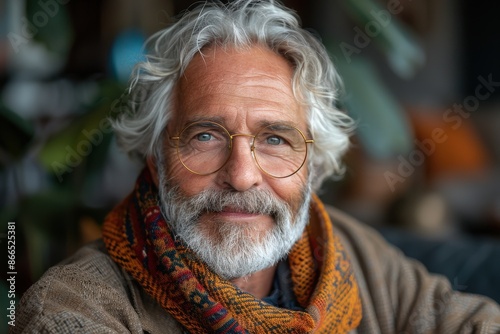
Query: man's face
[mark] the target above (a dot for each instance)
(241, 90)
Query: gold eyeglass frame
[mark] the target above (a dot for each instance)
(252, 148)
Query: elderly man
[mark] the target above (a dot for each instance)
(223, 232)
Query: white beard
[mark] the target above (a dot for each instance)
(233, 250)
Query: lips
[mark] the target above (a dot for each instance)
(235, 209)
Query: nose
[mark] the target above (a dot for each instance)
(240, 172)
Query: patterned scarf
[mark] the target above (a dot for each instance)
(138, 238)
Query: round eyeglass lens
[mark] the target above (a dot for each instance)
(204, 147)
(280, 150)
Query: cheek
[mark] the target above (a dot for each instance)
(173, 168)
(291, 189)
(176, 174)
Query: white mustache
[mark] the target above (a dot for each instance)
(251, 201)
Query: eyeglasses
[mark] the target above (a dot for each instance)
(204, 147)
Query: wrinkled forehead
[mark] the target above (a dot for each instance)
(241, 65)
(254, 79)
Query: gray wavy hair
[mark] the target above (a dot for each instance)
(241, 23)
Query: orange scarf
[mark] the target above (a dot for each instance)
(139, 240)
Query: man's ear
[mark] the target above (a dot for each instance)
(153, 169)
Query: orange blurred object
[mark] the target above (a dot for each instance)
(459, 150)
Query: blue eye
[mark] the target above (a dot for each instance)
(274, 140)
(204, 137)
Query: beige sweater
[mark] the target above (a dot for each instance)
(89, 293)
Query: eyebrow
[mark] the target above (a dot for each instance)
(277, 125)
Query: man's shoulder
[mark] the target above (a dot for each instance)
(90, 260)
(354, 233)
(88, 268)
(86, 291)
(398, 292)
(370, 254)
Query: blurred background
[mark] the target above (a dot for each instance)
(422, 78)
